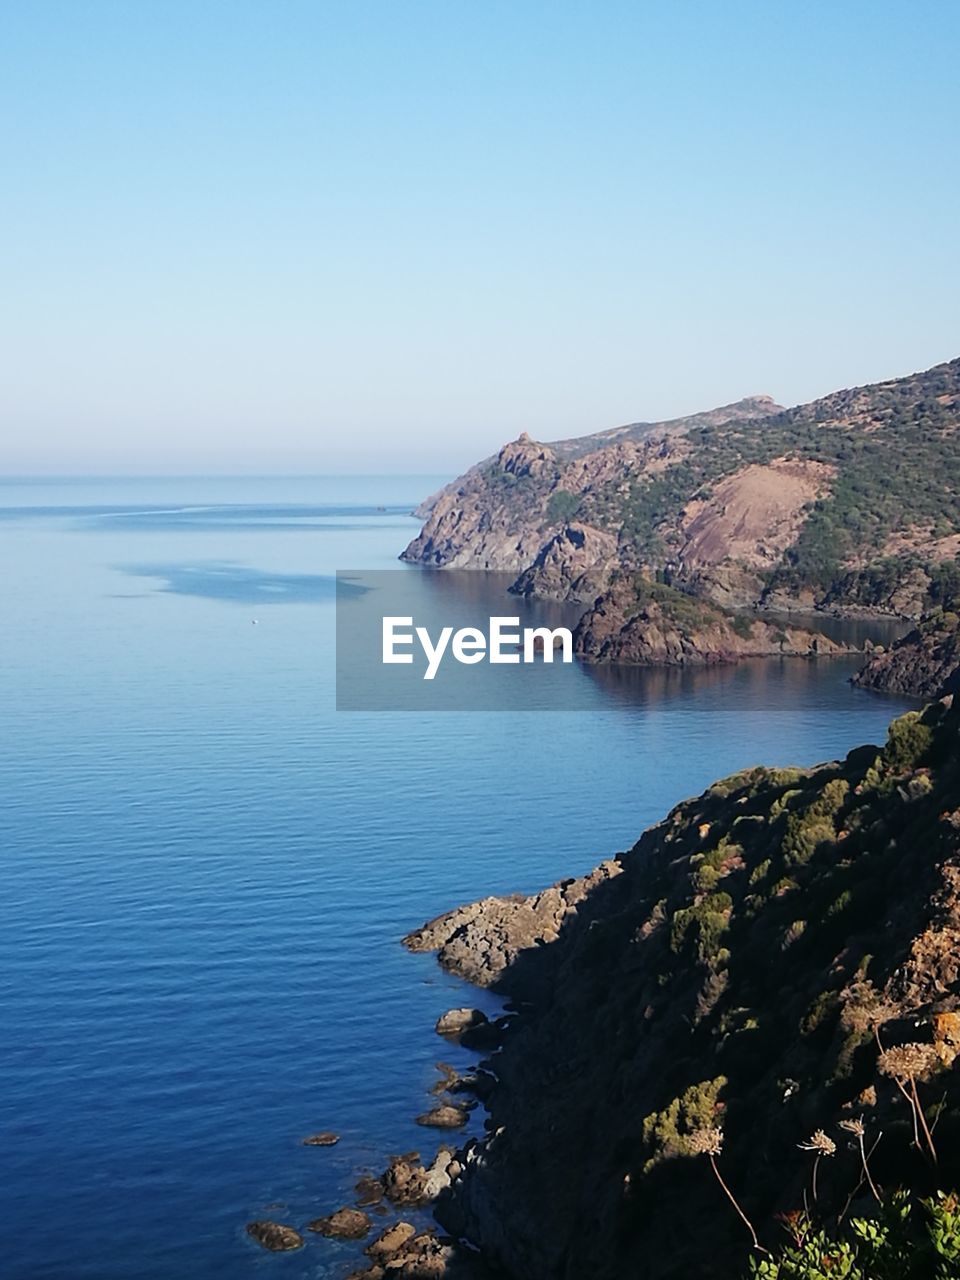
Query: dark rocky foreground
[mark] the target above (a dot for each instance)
(750, 974)
(925, 663)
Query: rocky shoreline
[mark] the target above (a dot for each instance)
(677, 991)
(676, 994)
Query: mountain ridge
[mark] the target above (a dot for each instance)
(848, 504)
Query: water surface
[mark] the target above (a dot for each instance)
(207, 869)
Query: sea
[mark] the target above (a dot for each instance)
(208, 868)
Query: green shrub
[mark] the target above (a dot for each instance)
(898, 1244)
(908, 742)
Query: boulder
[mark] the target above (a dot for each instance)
(345, 1224)
(457, 1021)
(445, 1116)
(325, 1139)
(275, 1236)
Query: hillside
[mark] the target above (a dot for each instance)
(768, 976)
(644, 623)
(924, 663)
(850, 503)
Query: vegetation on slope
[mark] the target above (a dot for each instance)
(773, 976)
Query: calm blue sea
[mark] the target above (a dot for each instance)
(206, 869)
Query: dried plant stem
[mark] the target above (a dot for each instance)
(733, 1200)
(866, 1169)
(913, 1112)
(918, 1109)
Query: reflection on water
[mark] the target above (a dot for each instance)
(207, 868)
(240, 583)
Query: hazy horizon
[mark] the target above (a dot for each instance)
(240, 239)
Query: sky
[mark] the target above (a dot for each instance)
(252, 236)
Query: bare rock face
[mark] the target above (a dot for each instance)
(275, 1236)
(924, 663)
(481, 941)
(753, 515)
(574, 566)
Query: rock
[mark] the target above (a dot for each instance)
(925, 663)
(445, 1116)
(409, 1183)
(573, 566)
(390, 1241)
(345, 1224)
(639, 622)
(483, 941)
(321, 1140)
(583, 1170)
(275, 1236)
(478, 1083)
(486, 1037)
(515, 512)
(369, 1192)
(456, 1021)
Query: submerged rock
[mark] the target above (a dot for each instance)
(369, 1192)
(321, 1140)
(275, 1236)
(345, 1224)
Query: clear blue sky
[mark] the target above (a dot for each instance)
(391, 234)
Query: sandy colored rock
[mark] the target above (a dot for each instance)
(390, 1241)
(456, 1021)
(345, 1224)
(445, 1116)
(325, 1139)
(481, 941)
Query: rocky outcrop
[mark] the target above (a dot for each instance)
(277, 1237)
(401, 1253)
(345, 1224)
(325, 1139)
(482, 942)
(455, 1022)
(409, 1184)
(512, 511)
(751, 506)
(574, 566)
(925, 663)
(758, 970)
(444, 1116)
(646, 624)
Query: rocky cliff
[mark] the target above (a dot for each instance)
(849, 503)
(769, 984)
(644, 623)
(924, 663)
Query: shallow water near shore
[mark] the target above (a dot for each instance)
(208, 869)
